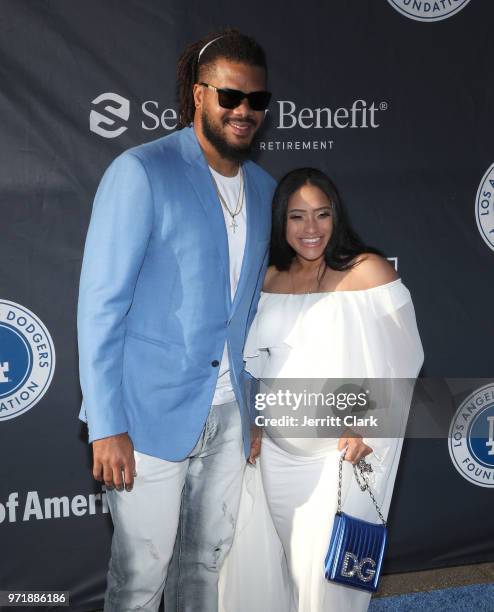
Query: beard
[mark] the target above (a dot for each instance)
(225, 149)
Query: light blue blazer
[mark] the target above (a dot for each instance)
(154, 299)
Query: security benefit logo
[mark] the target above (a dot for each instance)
(428, 10)
(111, 110)
(110, 115)
(484, 207)
(27, 360)
(471, 437)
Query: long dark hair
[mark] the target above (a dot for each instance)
(231, 45)
(344, 244)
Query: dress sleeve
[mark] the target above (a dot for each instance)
(403, 356)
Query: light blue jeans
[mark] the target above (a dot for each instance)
(187, 508)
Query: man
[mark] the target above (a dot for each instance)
(173, 265)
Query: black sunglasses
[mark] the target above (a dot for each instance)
(231, 98)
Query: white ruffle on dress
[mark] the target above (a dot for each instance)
(289, 499)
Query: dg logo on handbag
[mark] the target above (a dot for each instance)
(351, 566)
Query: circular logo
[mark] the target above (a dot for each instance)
(471, 437)
(27, 360)
(484, 207)
(428, 10)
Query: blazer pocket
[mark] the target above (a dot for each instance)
(163, 343)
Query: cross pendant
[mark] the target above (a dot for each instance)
(233, 224)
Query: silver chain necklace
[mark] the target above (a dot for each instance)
(240, 199)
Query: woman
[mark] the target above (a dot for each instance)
(330, 308)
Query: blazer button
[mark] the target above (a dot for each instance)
(215, 363)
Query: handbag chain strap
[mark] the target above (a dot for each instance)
(362, 482)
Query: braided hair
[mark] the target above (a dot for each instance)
(230, 45)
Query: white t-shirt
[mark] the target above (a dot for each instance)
(229, 187)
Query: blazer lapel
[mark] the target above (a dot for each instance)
(201, 180)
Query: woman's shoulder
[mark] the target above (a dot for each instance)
(370, 270)
(275, 280)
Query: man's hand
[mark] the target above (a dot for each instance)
(255, 444)
(111, 457)
(356, 448)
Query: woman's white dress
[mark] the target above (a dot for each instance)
(289, 499)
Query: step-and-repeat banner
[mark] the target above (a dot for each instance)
(392, 98)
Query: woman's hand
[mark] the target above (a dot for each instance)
(356, 448)
(255, 444)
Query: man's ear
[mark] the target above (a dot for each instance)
(198, 93)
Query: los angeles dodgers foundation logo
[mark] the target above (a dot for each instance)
(27, 360)
(484, 207)
(428, 10)
(471, 437)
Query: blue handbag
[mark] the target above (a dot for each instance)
(356, 548)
